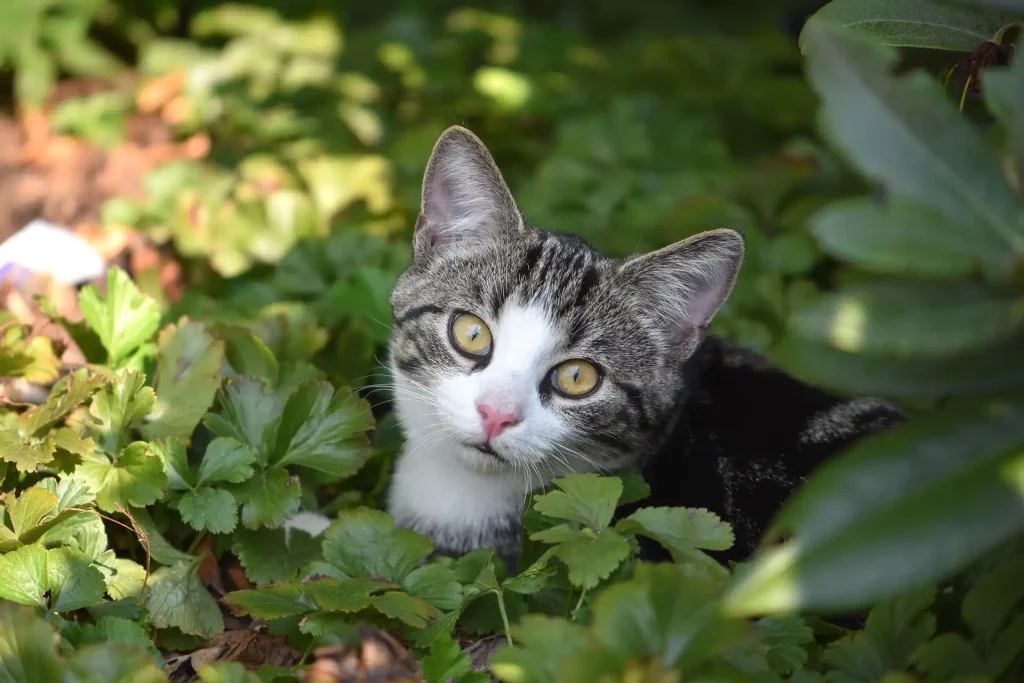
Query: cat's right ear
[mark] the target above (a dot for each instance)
(465, 198)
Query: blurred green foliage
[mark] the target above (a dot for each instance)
(890, 266)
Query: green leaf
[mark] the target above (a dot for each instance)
(227, 672)
(28, 646)
(113, 662)
(446, 661)
(23, 576)
(268, 499)
(29, 509)
(74, 583)
(910, 319)
(153, 541)
(591, 558)
(276, 601)
(364, 542)
(66, 394)
(939, 523)
(247, 353)
(634, 488)
(544, 642)
(948, 656)
(436, 584)
(26, 453)
(118, 406)
(993, 598)
(174, 456)
(785, 637)
(534, 577)
(680, 530)
(176, 598)
(324, 430)
(404, 607)
(350, 595)
(120, 630)
(227, 459)
(915, 23)
(985, 370)
(213, 510)
(187, 379)
(127, 579)
(586, 498)
(135, 478)
(904, 131)
(903, 237)
(267, 558)
(124, 320)
(250, 413)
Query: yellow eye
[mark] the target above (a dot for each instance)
(575, 378)
(470, 335)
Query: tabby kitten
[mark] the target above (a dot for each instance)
(520, 355)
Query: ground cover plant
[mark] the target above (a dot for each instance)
(252, 170)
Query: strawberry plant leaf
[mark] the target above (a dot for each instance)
(26, 452)
(66, 394)
(73, 582)
(227, 459)
(680, 530)
(589, 499)
(534, 577)
(247, 354)
(325, 430)
(28, 509)
(350, 595)
(118, 406)
(249, 412)
(408, 609)
(268, 499)
(446, 661)
(134, 478)
(174, 457)
(176, 598)
(162, 551)
(23, 577)
(634, 488)
(127, 579)
(274, 602)
(948, 656)
(213, 510)
(993, 598)
(590, 557)
(785, 637)
(71, 441)
(186, 381)
(124, 320)
(364, 542)
(266, 556)
(436, 584)
(543, 643)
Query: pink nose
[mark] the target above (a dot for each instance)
(495, 421)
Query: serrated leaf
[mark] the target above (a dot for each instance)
(124, 320)
(66, 394)
(113, 662)
(28, 646)
(187, 379)
(404, 607)
(586, 498)
(247, 353)
(267, 558)
(364, 542)
(71, 441)
(176, 598)
(213, 510)
(249, 412)
(23, 576)
(905, 132)
(680, 530)
(785, 637)
(28, 509)
(268, 499)
(947, 656)
(27, 453)
(135, 479)
(590, 558)
(436, 584)
(903, 237)
(274, 602)
(120, 630)
(227, 459)
(916, 23)
(118, 406)
(544, 642)
(174, 457)
(74, 583)
(446, 661)
(634, 488)
(325, 430)
(350, 595)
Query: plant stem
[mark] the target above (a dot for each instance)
(579, 603)
(504, 616)
(196, 541)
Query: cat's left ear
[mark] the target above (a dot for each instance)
(684, 284)
(465, 198)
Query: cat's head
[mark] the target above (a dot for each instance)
(528, 351)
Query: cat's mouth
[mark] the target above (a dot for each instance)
(486, 450)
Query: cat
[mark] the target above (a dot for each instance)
(519, 355)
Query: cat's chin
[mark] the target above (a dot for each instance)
(484, 460)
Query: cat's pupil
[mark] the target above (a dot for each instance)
(576, 374)
(474, 332)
